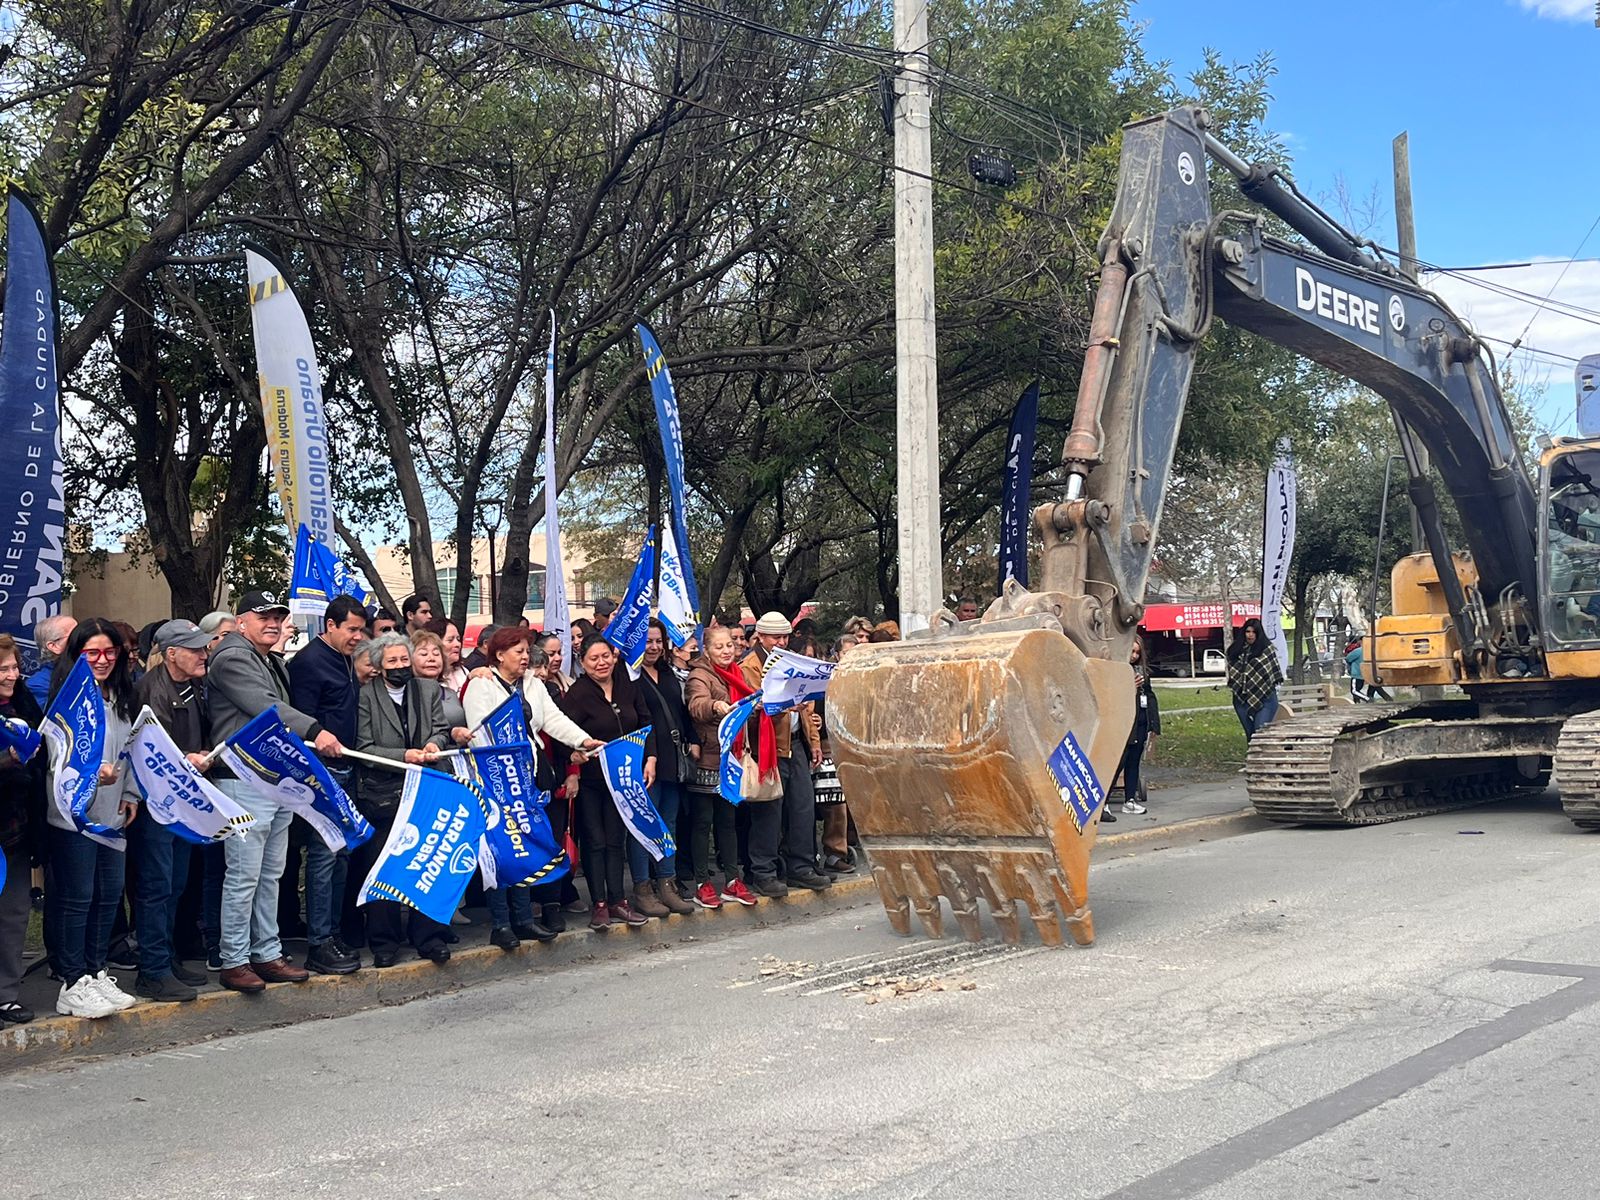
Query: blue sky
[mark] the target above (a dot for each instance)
(1494, 95)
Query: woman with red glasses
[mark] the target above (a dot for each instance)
(84, 878)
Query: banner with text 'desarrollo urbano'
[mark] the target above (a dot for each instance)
(291, 406)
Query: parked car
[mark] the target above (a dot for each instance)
(1215, 662)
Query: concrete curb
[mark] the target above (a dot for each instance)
(150, 1027)
(1230, 824)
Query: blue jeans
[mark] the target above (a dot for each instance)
(509, 906)
(667, 796)
(326, 873)
(250, 887)
(81, 898)
(1254, 721)
(161, 858)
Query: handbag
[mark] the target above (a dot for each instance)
(753, 787)
(686, 765)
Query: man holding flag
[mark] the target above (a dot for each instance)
(799, 854)
(171, 692)
(246, 679)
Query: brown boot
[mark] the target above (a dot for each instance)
(667, 890)
(644, 901)
(280, 970)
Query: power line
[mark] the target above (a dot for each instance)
(1595, 225)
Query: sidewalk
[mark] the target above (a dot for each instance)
(1183, 809)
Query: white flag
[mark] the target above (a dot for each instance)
(174, 792)
(556, 614)
(1277, 548)
(790, 679)
(676, 613)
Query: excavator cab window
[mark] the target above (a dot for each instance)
(1572, 548)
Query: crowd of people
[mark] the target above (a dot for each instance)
(135, 896)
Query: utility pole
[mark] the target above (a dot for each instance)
(1406, 228)
(916, 362)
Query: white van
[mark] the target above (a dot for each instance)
(1215, 662)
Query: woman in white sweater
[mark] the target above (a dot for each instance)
(509, 653)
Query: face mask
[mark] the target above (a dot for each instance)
(397, 677)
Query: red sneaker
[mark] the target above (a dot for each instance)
(706, 896)
(623, 913)
(736, 892)
(599, 916)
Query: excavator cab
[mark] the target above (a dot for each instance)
(1569, 556)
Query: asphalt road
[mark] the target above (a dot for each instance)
(1401, 1011)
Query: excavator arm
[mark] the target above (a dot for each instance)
(1170, 265)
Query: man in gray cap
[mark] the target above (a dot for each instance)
(172, 692)
(246, 679)
(796, 865)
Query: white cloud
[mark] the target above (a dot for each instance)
(1560, 10)
(1554, 336)
(1494, 314)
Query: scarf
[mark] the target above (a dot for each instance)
(766, 746)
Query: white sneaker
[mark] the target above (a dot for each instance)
(1132, 807)
(83, 999)
(115, 996)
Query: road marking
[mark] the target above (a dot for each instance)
(1249, 1149)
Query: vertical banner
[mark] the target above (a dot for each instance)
(32, 508)
(655, 368)
(1016, 486)
(557, 615)
(630, 624)
(677, 614)
(291, 405)
(1277, 548)
(1586, 381)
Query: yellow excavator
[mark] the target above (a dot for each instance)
(976, 754)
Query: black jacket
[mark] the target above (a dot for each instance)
(22, 820)
(381, 732)
(624, 713)
(1146, 714)
(187, 723)
(322, 684)
(669, 719)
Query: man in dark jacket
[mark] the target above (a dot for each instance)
(22, 822)
(322, 683)
(245, 679)
(172, 692)
(798, 860)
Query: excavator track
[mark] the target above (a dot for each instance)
(1318, 770)
(1577, 769)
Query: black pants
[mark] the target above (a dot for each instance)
(708, 810)
(388, 923)
(799, 813)
(605, 846)
(766, 837)
(1132, 759)
(561, 891)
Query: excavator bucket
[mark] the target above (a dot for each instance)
(944, 743)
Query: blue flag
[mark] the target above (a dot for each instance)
(655, 368)
(32, 510)
(1080, 788)
(75, 730)
(432, 849)
(268, 758)
(630, 625)
(505, 725)
(731, 781)
(519, 846)
(17, 735)
(319, 576)
(1016, 485)
(622, 763)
